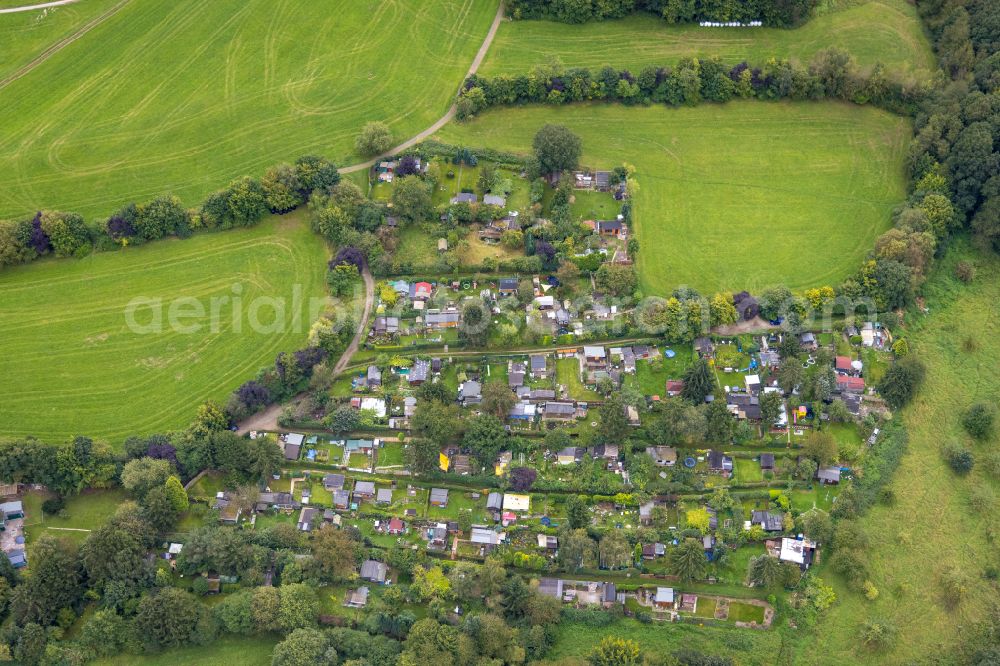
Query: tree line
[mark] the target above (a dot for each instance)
(779, 13)
(832, 74)
(242, 204)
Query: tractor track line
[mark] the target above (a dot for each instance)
(61, 44)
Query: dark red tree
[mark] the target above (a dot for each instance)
(746, 305)
(349, 255)
(522, 478)
(253, 394)
(309, 358)
(407, 166)
(39, 240)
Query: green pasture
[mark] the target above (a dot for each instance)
(25, 36)
(182, 96)
(735, 196)
(886, 31)
(75, 365)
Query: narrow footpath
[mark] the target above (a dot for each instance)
(447, 117)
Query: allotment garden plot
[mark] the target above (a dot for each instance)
(735, 196)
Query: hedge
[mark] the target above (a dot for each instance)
(832, 75)
(244, 203)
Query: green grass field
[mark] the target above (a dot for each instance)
(931, 525)
(74, 365)
(82, 514)
(25, 36)
(744, 646)
(886, 31)
(735, 196)
(182, 96)
(254, 651)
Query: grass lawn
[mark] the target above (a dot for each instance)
(478, 251)
(74, 365)
(593, 205)
(568, 374)
(747, 470)
(224, 650)
(417, 247)
(753, 647)
(25, 35)
(706, 607)
(675, 367)
(359, 461)
(887, 31)
(808, 184)
(182, 95)
(270, 519)
(744, 612)
(651, 377)
(390, 455)
(848, 440)
(459, 503)
(207, 486)
(83, 513)
(923, 543)
(822, 497)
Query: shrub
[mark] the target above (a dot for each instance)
(959, 459)
(978, 420)
(53, 505)
(965, 271)
(878, 634)
(982, 499)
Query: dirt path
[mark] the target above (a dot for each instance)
(352, 348)
(448, 116)
(62, 43)
(267, 419)
(263, 420)
(44, 5)
(755, 325)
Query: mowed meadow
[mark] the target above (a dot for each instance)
(886, 31)
(737, 196)
(73, 364)
(25, 36)
(181, 96)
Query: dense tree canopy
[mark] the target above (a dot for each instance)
(556, 148)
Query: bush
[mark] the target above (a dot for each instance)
(978, 420)
(53, 505)
(959, 459)
(200, 586)
(965, 271)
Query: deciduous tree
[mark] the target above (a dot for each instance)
(375, 138)
(556, 148)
